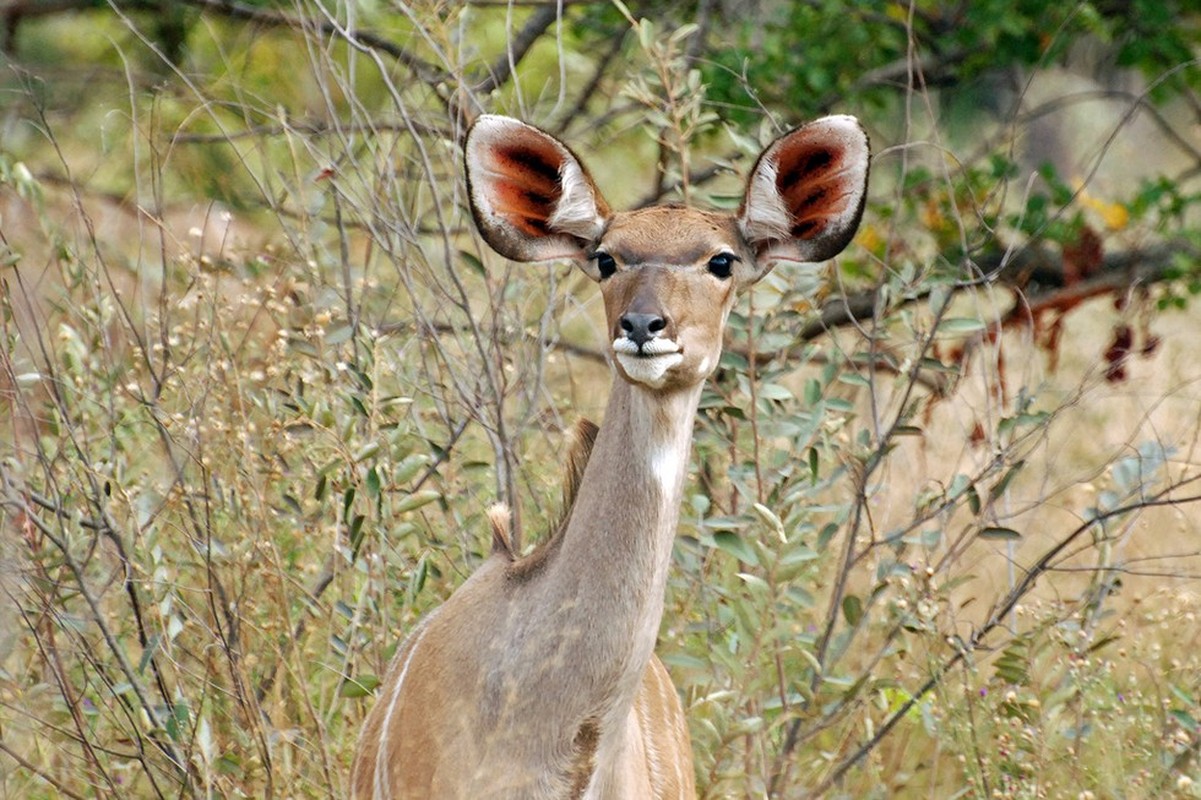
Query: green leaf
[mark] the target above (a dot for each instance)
(1006, 534)
(753, 581)
(961, 326)
(1000, 486)
(727, 523)
(798, 554)
(1012, 671)
(685, 661)
(852, 609)
(1185, 719)
(938, 299)
(356, 532)
(473, 262)
(416, 500)
(813, 392)
(735, 546)
(417, 579)
(774, 391)
(177, 722)
(772, 521)
(959, 484)
(973, 499)
(683, 32)
(646, 33)
(359, 686)
(1183, 696)
(367, 451)
(800, 597)
(1102, 642)
(147, 654)
(826, 534)
(373, 483)
(409, 466)
(340, 334)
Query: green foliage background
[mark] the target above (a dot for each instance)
(260, 382)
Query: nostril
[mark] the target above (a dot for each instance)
(641, 328)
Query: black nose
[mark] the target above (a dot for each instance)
(641, 328)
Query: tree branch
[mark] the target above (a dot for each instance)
(427, 72)
(1036, 271)
(534, 27)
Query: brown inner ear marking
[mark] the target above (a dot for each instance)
(801, 164)
(531, 186)
(808, 228)
(807, 181)
(803, 198)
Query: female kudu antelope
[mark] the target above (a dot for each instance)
(537, 678)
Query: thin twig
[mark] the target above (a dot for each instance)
(34, 769)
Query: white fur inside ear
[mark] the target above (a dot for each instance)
(805, 196)
(764, 216)
(576, 212)
(530, 196)
(487, 131)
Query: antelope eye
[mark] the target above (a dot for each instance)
(606, 264)
(722, 264)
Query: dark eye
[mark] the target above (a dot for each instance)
(606, 264)
(722, 264)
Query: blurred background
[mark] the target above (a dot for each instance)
(260, 380)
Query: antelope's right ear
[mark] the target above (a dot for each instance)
(531, 197)
(805, 196)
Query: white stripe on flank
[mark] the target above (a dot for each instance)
(383, 786)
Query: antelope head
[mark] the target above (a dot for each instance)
(668, 274)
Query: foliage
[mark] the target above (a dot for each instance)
(260, 383)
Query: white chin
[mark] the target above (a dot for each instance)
(648, 370)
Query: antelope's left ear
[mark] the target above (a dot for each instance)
(805, 196)
(532, 199)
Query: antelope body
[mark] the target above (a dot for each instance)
(537, 679)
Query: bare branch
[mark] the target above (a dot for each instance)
(518, 46)
(427, 72)
(1035, 270)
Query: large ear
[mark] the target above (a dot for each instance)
(805, 195)
(531, 197)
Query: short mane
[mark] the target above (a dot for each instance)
(582, 439)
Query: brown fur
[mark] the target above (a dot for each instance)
(537, 678)
(584, 758)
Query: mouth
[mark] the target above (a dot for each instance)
(649, 362)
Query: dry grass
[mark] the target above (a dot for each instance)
(245, 446)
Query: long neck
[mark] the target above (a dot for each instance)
(611, 571)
